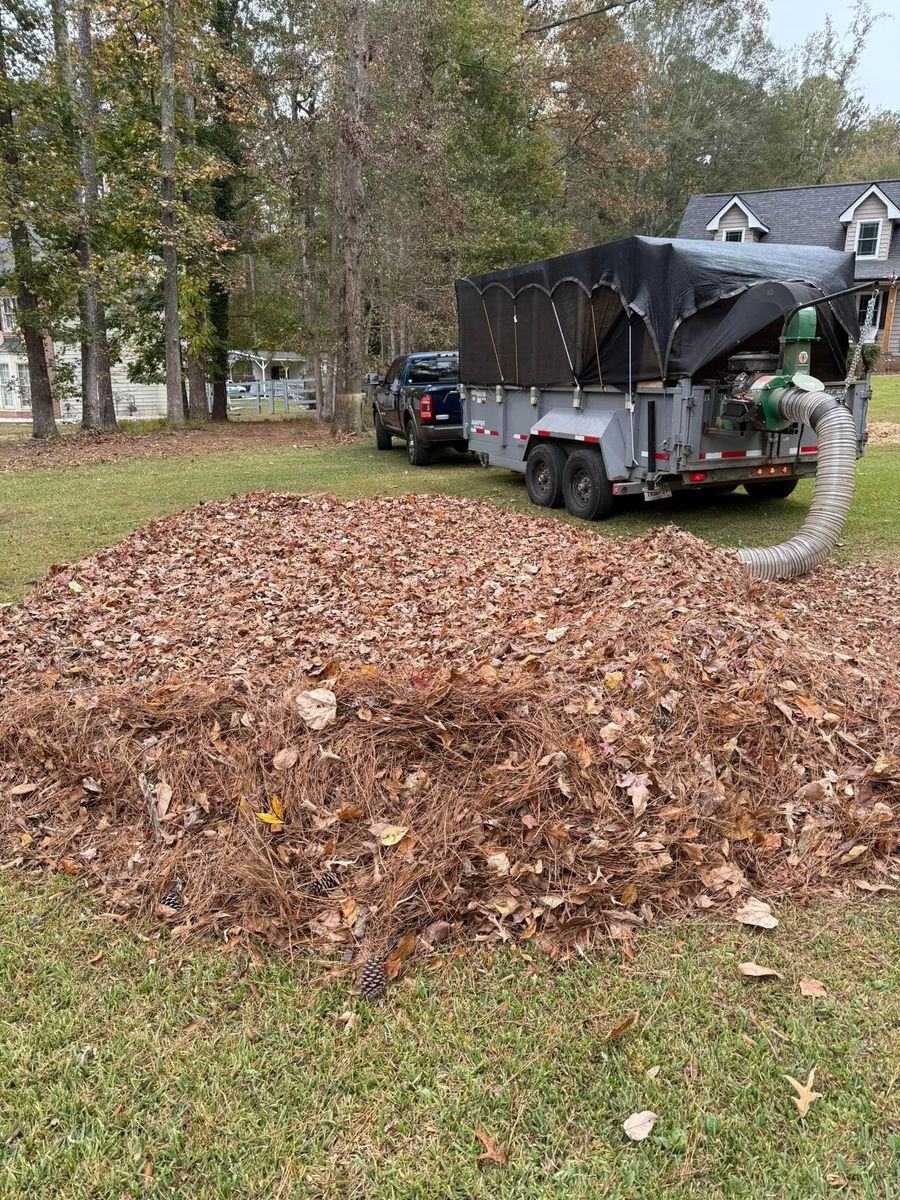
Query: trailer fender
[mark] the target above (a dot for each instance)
(603, 429)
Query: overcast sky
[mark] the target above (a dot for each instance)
(792, 21)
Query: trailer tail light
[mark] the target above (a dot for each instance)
(426, 408)
(698, 476)
(772, 471)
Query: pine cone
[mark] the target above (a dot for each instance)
(172, 898)
(373, 981)
(324, 884)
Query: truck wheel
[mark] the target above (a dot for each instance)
(543, 475)
(383, 439)
(778, 489)
(586, 489)
(417, 452)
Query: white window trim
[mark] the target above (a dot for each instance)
(7, 303)
(893, 211)
(726, 235)
(869, 221)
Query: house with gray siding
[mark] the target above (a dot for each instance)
(862, 217)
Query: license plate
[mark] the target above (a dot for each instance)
(657, 493)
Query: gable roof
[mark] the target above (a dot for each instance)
(802, 216)
(893, 211)
(753, 220)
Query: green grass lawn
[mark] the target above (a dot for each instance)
(131, 1066)
(237, 1080)
(885, 404)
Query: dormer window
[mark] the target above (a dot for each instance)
(736, 222)
(868, 239)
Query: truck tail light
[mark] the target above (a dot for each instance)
(698, 476)
(426, 408)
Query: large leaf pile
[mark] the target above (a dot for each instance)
(352, 724)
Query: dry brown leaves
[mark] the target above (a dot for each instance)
(360, 730)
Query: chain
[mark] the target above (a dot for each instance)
(868, 326)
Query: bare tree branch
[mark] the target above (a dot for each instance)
(591, 12)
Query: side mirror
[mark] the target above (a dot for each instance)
(372, 379)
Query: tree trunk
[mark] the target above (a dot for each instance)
(218, 315)
(29, 315)
(224, 21)
(198, 404)
(174, 406)
(98, 410)
(63, 55)
(347, 413)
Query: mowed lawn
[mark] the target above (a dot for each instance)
(56, 516)
(132, 1066)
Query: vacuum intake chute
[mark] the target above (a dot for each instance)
(835, 473)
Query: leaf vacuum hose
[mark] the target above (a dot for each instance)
(836, 434)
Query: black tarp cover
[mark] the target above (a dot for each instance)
(646, 308)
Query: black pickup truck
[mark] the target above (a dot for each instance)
(418, 400)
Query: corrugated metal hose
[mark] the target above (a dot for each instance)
(835, 472)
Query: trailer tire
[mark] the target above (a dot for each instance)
(778, 489)
(586, 489)
(383, 439)
(417, 452)
(544, 475)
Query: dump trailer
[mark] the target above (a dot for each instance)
(655, 365)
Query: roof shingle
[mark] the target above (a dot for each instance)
(802, 216)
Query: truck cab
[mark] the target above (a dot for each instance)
(418, 400)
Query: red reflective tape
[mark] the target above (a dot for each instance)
(734, 453)
(664, 457)
(592, 439)
(494, 432)
(544, 433)
(809, 449)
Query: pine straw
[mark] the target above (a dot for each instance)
(663, 753)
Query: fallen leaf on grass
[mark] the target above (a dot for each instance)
(805, 1094)
(347, 1020)
(652, 1072)
(758, 913)
(812, 987)
(285, 758)
(399, 955)
(639, 1125)
(619, 1031)
(494, 1151)
(317, 707)
(866, 886)
(754, 971)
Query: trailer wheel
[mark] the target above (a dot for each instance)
(417, 452)
(586, 490)
(383, 439)
(778, 489)
(544, 475)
